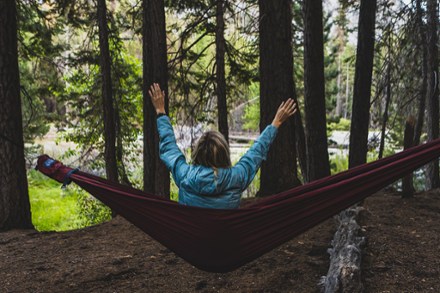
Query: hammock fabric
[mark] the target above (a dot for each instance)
(223, 240)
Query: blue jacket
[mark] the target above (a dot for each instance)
(198, 185)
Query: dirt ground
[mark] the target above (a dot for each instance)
(402, 254)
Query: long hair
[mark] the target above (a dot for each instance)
(212, 150)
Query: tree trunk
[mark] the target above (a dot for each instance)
(318, 165)
(338, 110)
(347, 92)
(279, 172)
(300, 143)
(220, 71)
(433, 89)
(111, 167)
(408, 142)
(156, 176)
(347, 275)
(344, 273)
(14, 199)
(422, 98)
(120, 150)
(362, 84)
(385, 112)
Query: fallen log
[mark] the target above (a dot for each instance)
(344, 274)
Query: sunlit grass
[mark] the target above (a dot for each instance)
(52, 208)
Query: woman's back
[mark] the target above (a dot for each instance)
(202, 187)
(211, 182)
(210, 187)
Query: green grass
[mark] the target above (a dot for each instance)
(53, 209)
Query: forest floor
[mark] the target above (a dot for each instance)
(402, 254)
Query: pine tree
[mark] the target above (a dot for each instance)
(362, 84)
(156, 176)
(279, 172)
(107, 95)
(314, 85)
(14, 199)
(220, 70)
(433, 88)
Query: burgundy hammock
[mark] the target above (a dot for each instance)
(222, 240)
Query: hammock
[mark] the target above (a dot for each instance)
(222, 240)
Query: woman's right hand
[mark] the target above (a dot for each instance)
(285, 110)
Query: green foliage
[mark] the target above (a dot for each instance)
(174, 190)
(192, 59)
(39, 74)
(84, 120)
(337, 123)
(252, 116)
(396, 134)
(35, 119)
(56, 209)
(338, 163)
(91, 210)
(398, 68)
(83, 97)
(254, 187)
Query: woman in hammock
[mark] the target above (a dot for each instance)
(211, 181)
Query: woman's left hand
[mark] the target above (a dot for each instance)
(157, 98)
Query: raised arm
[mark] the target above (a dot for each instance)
(169, 152)
(246, 168)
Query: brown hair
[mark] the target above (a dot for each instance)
(212, 150)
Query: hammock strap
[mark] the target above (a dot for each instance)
(67, 180)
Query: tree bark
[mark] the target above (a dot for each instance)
(14, 198)
(422, 98)
(119, 149)
(347, 92)
(318, 165)
(220, 70)
(300, 143)
(433, 89)
(279, 172)
(156, 176)
(111, 167)
(338, 110)
(408, 142)
(344, 273)
(362, 84)
(385, 111)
